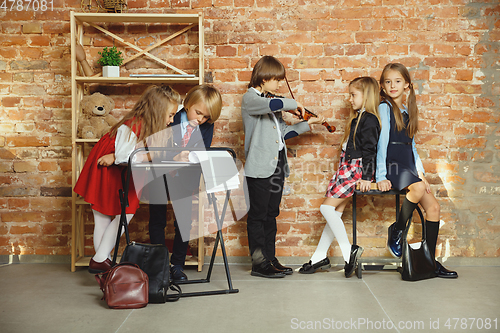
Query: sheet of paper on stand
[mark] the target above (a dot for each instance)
(219, 170)
(163, 180)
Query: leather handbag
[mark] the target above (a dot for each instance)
(153, 259)
(125, 286)
(417, 261)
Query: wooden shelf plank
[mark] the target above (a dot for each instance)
(86, 140)
(140, 17)
(126, 79)
(84, 261)
(191, 261)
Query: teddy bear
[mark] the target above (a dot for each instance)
(95, 119)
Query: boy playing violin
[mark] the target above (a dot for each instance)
(266, 161)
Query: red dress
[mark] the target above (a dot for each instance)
(99, 185)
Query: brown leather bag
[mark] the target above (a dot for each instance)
(125, 286)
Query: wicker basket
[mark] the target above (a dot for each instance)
(116, 6)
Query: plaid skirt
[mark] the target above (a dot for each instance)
(343, 183)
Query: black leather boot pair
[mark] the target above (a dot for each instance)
(271, 269)
(268, 268)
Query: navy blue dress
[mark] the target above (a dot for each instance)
(400, 163)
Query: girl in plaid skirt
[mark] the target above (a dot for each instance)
(357, 165)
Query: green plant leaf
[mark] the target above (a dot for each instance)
(110, 57)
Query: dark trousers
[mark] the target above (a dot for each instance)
(157, 224)
(265, 198)
(181, 188)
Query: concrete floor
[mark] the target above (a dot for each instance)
(49, 298)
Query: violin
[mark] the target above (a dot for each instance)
(307, 114)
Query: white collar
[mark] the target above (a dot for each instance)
(258, 92)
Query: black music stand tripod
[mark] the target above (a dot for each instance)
(211, 199)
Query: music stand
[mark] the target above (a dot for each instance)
(166, 166)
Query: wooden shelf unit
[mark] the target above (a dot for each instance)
(78, 20)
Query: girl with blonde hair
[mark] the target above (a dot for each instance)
(357, 165)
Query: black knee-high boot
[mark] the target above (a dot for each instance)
(431, 235)
(405, 213)
(395, 231)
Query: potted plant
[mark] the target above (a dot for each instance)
(110, 61)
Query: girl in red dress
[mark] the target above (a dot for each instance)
(100, 179)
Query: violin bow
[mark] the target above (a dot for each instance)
(329, 127)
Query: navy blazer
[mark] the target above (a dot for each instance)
(366, 142)
(201, 137)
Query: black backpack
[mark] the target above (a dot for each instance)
(153, 259)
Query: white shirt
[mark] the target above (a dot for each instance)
(125, 143)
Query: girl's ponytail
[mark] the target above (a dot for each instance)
(412, 112)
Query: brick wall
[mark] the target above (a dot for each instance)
(450, 46)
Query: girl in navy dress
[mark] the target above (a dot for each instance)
(100, 179)
(398, 163)
(357, 165)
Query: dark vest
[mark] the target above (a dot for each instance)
(401, 169)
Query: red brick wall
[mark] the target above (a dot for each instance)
(450, 46)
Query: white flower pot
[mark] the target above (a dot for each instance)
(111, 71)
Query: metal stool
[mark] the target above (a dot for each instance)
(375, 263)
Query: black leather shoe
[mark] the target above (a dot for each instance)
(356, 252)
(267, 270)
(394, 241)
(442, 272)
(284, 269)
(309, 268)
(177, 274)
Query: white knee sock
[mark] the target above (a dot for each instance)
(325, 241)
(337, 228)
(101, 222)
(109, 239)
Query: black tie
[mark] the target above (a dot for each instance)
(406, 118)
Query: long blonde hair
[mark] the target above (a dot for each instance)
(412, 100)
(150, 111)
(369, 87)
